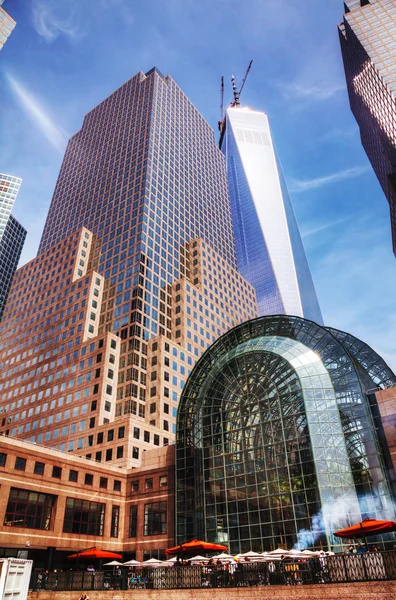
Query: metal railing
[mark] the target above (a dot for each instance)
(341, 568)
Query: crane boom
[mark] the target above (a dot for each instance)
(244, 79)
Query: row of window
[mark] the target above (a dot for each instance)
(33, 510)
(74, 476)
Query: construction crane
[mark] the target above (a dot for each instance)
(235, 102)
(221, 103)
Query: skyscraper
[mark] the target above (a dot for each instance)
(7, 24)
(368, 41)
(135, 277)
(11, 245)
(269, 250)
(12, 235)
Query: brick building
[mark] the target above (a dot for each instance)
(54, 503)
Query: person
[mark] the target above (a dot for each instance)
(91, 568)
(84, 596)
(351, 550)
(361, 549)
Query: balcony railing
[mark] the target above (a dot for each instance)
(341, 568)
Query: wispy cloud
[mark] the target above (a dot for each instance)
(52, 19)
(37, 114)
(303, 185)
(305, 91)
(319, 228)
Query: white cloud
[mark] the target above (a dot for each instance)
(322, 91)
(303, 185)
(313, 230)
(52, 19)
(37, 114)
(356, 284)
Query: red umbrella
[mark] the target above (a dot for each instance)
(366, 528)
(195, 546)
(95, 553)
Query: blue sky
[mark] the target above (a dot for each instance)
(65, 56)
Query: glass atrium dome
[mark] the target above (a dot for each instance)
(278, 438)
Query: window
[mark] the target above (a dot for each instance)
(147, 436)
(136, 433)
(148, 484)
(82, 516)
(135, 452)
(135, 486)
(103, 481)
(57, 472)
(100, 438)
(117, 485)
(88, 479)
(156, 439)
(163, 480)
(39, 468)
(115, 518)
(132, 521)
(120, 451)
(121, 432)
(29, 509)
(155, 518)
(110, 435)
(3, 459)
(153, 407)
(20, 463)
(73, 476)
(109, 454)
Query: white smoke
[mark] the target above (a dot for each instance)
(343, 512)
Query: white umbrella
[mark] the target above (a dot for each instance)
(169, 563)
(113, 563)
(279, 552)
(152, 562)
(198, 559)
(310, 553)
(251, 556)
(132, 563)
(223, 556)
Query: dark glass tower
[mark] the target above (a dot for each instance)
(145, 175)
(368, 38)
(11, 245)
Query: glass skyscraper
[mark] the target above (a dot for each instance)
(7, 24)
(137, 253)
(368, 40)
(12, 234)
(269, 249)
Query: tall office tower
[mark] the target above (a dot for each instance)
(12, 234)
(269, 249)
(368, 41)
(11, 245)
(7, 24)
(137, 253)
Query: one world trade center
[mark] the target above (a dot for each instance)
(269, 249)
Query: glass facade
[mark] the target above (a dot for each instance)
(274, 428)
(368, 39)
(269, 249)
(7, 24)
(11, 244)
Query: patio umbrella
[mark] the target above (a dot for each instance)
(251, 556)
(195, 546)
(95, 553)
(152, 562)
(132, 563)
(224, 557)
(198, 559)
(367, 527)
(113, 563)
(279, 552)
